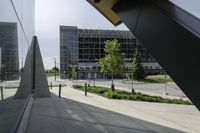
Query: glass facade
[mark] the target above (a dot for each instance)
(16, 31)
(82, 48)
(9, 51)
(68, 50)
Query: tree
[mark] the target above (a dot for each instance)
(137, 68)
(74, 73)
(55, 69)
(113, 61)
(3, 72)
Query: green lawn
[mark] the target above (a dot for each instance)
(50, 74)
(157, 79)
(123, 95)
(153, 79)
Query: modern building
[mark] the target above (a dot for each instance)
(17, 28)
(9, 61)
(82, 48)
(167, 28)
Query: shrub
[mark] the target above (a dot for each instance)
(117, 94)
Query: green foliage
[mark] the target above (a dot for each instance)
(114, 60)
(157, 79)
(50, 74)
(55, 69)
(137, 68)
(123, 95)
(96, 90)
(153, 79)
(74, 73)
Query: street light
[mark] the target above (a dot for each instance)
(6, 76)
(55, 67)
(165, 83)
(64, 74)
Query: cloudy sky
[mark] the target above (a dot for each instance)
(50, 14)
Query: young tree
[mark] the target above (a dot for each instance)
(55, 69)
(137, 68)
(74, 73)
(113, 61)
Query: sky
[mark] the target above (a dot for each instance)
(50, 14)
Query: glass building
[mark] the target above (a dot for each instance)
(16, 31)
(17, 27)
(82, 48)
(68, 50)
(9, 51)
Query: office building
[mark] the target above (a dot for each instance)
(82, 48)
(9, 51)
(17, 28)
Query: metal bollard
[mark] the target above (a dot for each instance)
(94, 82)
(51, 85)
(1, 92)
(85, 89)
(59, 90)
(133, 91)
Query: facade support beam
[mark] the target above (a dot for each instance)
(171, 35)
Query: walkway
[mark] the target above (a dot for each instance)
(75, 113)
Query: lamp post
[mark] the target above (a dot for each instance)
(165, 83)
(64, 74)
(55, 67)
(132, 82)
(87, 59)
(6, 76)
(94, 78)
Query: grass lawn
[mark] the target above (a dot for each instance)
(50, 74)
(154, 79)
(123, 95)
(157, 79)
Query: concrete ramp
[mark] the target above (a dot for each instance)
(33, 78)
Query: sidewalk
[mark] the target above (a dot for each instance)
(61, 115)
(9, 114)
(149, 117)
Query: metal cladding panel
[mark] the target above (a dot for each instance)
(105, 7)
(26, 80)
(41, 83)
(171, 40)
(33, 78)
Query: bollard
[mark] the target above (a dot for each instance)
(59, 90)
(1, 92)
(94, 82)
(51, 85)
(85, 89)
(133, 91)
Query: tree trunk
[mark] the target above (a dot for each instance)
(132, 84)
(112, 85)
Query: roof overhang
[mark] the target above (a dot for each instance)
(105, 8)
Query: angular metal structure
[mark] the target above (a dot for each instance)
(33, 78)
(169, 33)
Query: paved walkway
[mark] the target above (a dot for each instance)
(75, 113)
(53, 115)
(9, 114)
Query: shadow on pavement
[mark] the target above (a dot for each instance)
(61, 115)
(10, 110)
